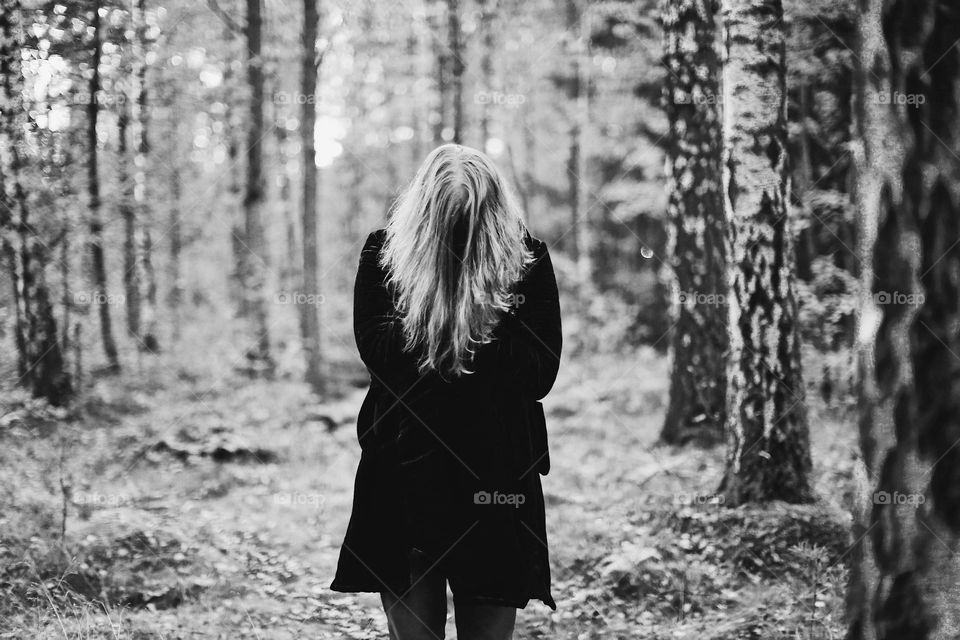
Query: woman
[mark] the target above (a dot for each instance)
(457, 318)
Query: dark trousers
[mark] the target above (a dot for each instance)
(421, 614)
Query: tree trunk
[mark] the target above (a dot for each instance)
(12, 263)
(289, 260)
(149, 341)
(131, 266)
(441, 57)
(309, 320)
(235, 206)
(488, 14)
(457, 67)
(42, 365)
(803, 183)
(529, 162)
(255, 254)
(905, 577)
(174, 274)
(98, 259)
(414, 51)
(697, 226)
(577, 97)
(769, 449)
(357, 166)
(66, 300)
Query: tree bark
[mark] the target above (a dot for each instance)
(697, 226)
(457, 66)
(97, 254)
(149, 341)
(42, 366)
(530, 155)
(905, 573)
(488, 15)
(577, 97)
(768, 437)
(309, 320)
(174, 274)
(290, 261)
(255, 254)
(441, 58)
(234, 189)
(131, 266)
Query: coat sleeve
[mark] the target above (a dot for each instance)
(376, 323)
(528, 342)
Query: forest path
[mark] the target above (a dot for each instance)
(225, 520)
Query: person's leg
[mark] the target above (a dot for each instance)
(484, 621)
(420, 613)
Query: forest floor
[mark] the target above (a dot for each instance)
(214, 508)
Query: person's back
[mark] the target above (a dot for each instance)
(456, 316)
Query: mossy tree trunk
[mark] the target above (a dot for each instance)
(905, 578)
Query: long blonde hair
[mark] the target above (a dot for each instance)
(454, 250)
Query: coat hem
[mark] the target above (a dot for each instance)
(519, 604)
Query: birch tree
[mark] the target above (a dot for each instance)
(695, 210)
(769, 450)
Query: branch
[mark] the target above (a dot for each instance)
(225, 17)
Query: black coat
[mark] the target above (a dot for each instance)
(449, 469)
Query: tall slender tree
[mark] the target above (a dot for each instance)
(42, 367)
(457, 67)
(577, 95)
(488, 15)
(441, 57)
(175, 233)
(233, 33)
(290, 262)
(697, 227)
(309, 321)
(255, 254)
(769, 448)
(97, 253)
(149, 340)
(131, 266)
(905, 578)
